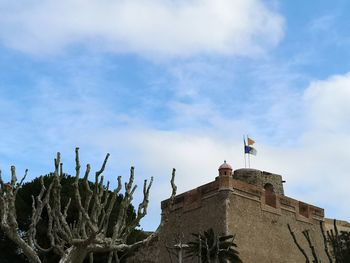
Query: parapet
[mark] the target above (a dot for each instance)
(271, 202)
(260, 179)
(341, 225)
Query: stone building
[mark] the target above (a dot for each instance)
(249, 204)
(341, 225)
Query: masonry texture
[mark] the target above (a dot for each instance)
(260, 179)
(249, 204)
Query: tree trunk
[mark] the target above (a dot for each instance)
(28, 251)
(74, 255)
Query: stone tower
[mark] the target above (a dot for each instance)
(249, 204)
(260, 179)
(225, 170)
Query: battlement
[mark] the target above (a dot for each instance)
(260, 179)
(269, 201)
(249, 204)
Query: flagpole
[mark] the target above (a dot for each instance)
(245, 157)
(248, 155)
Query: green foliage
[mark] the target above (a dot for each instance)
(340, 244)
(11, 253)
(208, 247)
(24, 201)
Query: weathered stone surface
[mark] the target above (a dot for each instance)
(260, 178)
(341, 225)
(240, 205)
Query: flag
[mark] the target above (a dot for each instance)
(250, 150)
(250, 141)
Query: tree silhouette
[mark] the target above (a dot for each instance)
(10, 251)
(78, 227)
(340, 244)
(339, 251)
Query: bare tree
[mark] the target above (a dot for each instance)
(340, 244)
(306, 234)
(307, 260)
(325, 242)
(88, 235)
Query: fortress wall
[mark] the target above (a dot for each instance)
(196, 212)
(258, 219)
(259, 178)
(192, 212)
(262, 232)
(341, 225)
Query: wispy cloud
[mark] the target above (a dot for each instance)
(322, 23)
(60, 119)
(329, 100)
(155, 27)
(186, 112)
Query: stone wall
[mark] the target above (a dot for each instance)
(262, 233)
(194, 211)
(258, 220)
(341, 225)
(260, 178)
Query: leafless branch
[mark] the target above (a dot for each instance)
(95, 203)
(306, 234)
(8, 223)
(297, 244)
(325, 242)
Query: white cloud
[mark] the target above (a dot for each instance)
(153, 27)
(329, 105)
(315, 164)
(316, 168)
(196, 158)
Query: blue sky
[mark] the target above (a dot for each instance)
(162, 84)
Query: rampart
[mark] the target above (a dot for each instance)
(257, 217)
(260, 178)
(192, 199)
